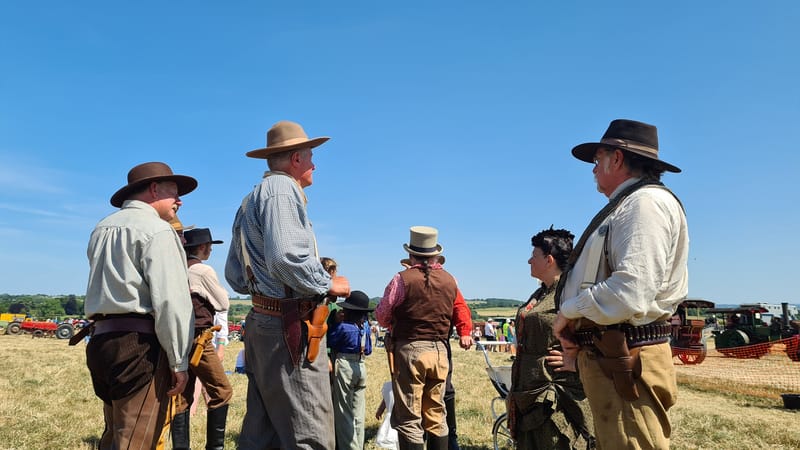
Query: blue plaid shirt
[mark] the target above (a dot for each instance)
(279, 240)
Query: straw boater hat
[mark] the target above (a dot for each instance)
(198, 236)
(151, 172)
(357, 301)
(630, 135)
(283, 136)
(423, 242)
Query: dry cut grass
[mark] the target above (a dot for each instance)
(49, 404)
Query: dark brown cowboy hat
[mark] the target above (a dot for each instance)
(357, 301)
(630, 135)
(283, 136)
(198, 236)
(152, 172)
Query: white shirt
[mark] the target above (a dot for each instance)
(648, 248)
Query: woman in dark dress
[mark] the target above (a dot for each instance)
(547, 406)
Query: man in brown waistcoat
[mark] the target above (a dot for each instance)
(418, 307)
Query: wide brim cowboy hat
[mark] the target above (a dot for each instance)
(178, 226)
(198, 236)
(150, 172)
(357, 301)
(285, 135)
(636, 137)
(423, 242)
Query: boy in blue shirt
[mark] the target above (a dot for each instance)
(349, 342)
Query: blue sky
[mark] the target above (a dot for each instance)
(457, 115)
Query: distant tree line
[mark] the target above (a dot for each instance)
(42, 306)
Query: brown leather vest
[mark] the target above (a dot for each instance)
(427, 309)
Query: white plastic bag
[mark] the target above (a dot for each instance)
(387, 436)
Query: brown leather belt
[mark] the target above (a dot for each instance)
(145, 325)
(636, 336)
(272, 306)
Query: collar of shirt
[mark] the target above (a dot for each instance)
(622, 186)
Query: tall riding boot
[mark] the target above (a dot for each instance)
(215, 428)
(180, 431)
(405, 445)
(437, 442)
(450, 407)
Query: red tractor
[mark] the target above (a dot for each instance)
(688, 323)
(41, 329)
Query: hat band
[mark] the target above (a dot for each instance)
(629, 144)
(423, 249)
(290, 141)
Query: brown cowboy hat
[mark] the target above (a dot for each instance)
(283, 136)
(152, 172)
(629, 135)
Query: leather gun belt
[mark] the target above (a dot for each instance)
(636, 336)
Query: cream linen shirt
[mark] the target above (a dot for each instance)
(648, 248)
(203, 281)
(137, 265)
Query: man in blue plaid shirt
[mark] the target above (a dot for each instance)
(288, 396)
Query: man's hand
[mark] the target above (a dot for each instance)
(466, 342)
(179, 380)
(561, 361)
(340, 287)
(564, 331)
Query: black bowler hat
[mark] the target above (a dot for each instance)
(198, 236)
(636, 137)
(357, 301)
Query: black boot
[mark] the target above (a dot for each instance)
(180, 431)
(450, 407)
(405, 445)
(437, 442)
(215, 428)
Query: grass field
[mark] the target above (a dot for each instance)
(48, 403)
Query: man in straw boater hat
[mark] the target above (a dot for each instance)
(418, 307)
(137, 297)
(624, 280)
(273, 257)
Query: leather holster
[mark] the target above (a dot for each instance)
(317, 327)
(290, 315)
(619, 363)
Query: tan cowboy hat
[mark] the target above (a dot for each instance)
(636, 137)
(178, 226)
(152, 172)
(423, 241)
(283, 136)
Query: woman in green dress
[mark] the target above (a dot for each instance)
(547, 406)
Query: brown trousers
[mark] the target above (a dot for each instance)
(211, 373)
(641, 424)
(130, 373)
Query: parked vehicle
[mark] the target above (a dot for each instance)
(234, 331)
(747, 335)
(688, 324)
(40, 328)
